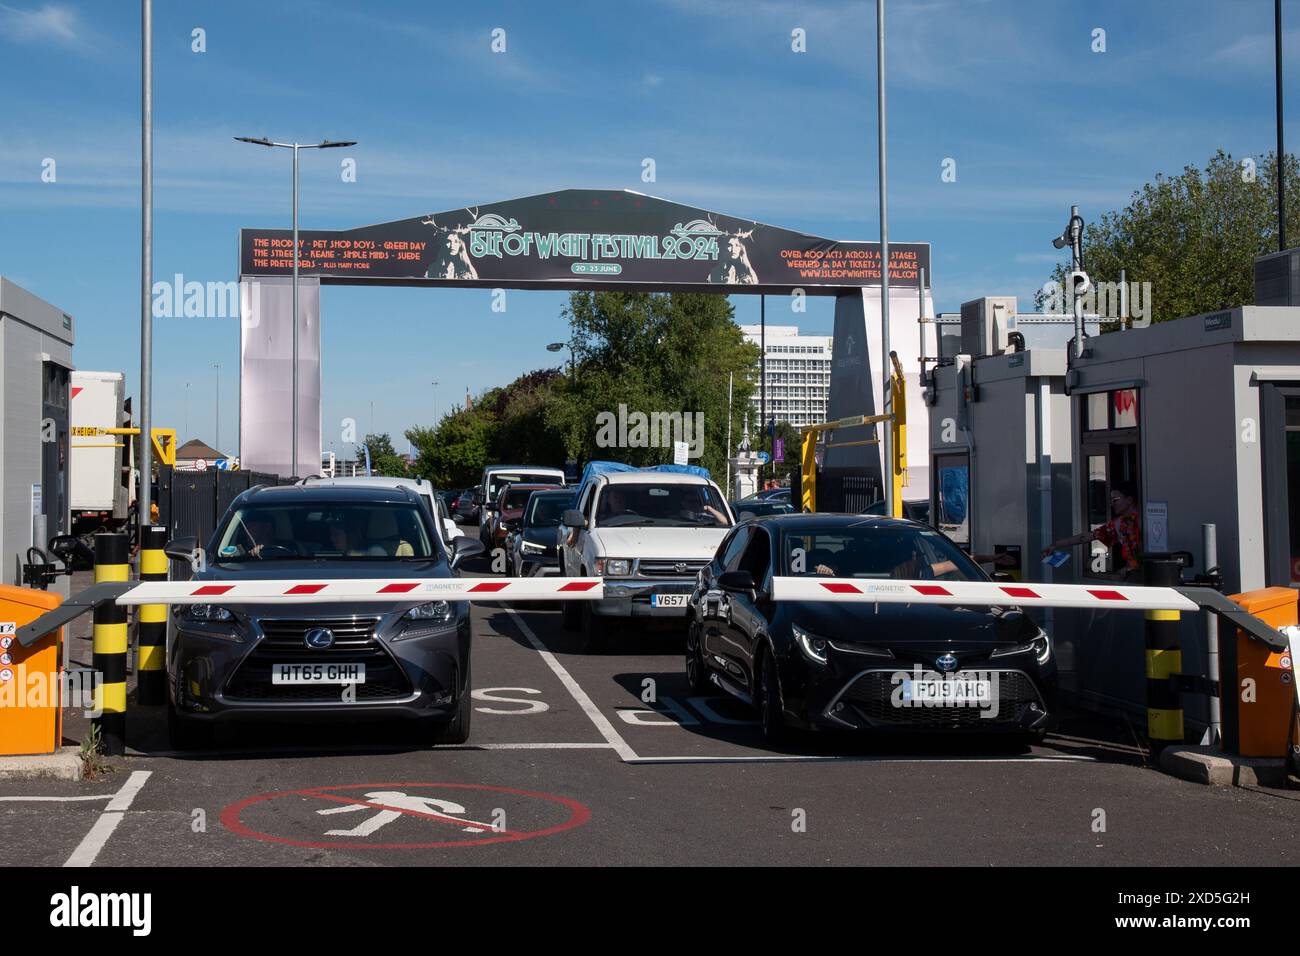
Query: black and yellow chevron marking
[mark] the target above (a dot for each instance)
(151, 620)
(1164, 659)
(110, 645)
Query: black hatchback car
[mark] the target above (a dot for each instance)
(325, 660)
(822, 665)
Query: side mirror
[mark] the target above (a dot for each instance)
(739, 582)
(181, 549)
(573, 518)
(465, 547)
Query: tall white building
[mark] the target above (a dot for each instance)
(798, 376)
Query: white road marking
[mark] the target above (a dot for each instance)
(847, 758)
(102, 796)
(94, 841)
(526, 746)
(602, 722)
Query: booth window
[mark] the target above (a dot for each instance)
(1110, 454)
(952, 496)
(1280, 436)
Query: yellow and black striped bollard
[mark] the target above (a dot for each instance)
(110, 646)
(1164, 660)
(151, 621)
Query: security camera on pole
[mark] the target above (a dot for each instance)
(1079, 283)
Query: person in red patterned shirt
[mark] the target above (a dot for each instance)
(1123, 530)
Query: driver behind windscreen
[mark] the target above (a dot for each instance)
(694, 506)
(259, 532)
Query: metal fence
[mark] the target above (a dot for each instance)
(846, 491)
(192, 502)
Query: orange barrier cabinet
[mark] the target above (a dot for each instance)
(1265, 679)
(30, 677)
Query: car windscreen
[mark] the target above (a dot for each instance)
(667, 504)
(545, 511)
(500, 479)
(866, 551)
(335, 530)
(515, 498)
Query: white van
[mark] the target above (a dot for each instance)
(496, 477)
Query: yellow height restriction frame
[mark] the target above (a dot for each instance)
(897, 423)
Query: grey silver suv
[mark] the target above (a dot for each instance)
(321, 661)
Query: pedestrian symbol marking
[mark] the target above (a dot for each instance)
(401, 816)
(394, 804)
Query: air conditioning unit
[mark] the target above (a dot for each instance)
(986, 324)
(1277, 278)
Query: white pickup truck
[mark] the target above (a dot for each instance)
(648, 534)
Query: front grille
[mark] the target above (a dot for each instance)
(282, 643)
(287, 634)
(871, 695)
(669, 569)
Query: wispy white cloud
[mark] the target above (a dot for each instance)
(51, 22)
(1253, 51)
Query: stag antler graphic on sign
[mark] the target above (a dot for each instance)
(452, 260)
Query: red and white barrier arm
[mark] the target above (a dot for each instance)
(368, 590)
(890, 591)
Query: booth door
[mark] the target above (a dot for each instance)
(1281, 453)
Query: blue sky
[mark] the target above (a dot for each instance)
(736, 122)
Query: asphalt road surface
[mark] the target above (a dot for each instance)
(610, 760)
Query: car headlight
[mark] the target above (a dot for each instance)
(614, 567)
(813, 647)
(1040, 647)
(207, 613)
(529, 548)
(435, 612)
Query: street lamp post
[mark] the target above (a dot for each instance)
(435, 403)
(295, 146)
(217, 439)
(557, 346)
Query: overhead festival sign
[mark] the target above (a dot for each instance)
(582, 238)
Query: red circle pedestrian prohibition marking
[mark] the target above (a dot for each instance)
(231, 816)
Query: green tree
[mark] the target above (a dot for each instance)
(384, 459)
(653, 353)
(507, 424)
(453, 453)
(1194, 237)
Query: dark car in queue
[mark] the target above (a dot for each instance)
(319, 661)
(466, 509)
(818, 665)
(532, 546)
(508, 510)
(749, 508)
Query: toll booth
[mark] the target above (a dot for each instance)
(1201, 417)
(36, 341)
(1000, 455)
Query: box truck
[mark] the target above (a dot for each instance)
(103, 464)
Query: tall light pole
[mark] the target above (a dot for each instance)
(435, 404)
(187, 411)
(218, 408)
(323, 144)
(1281, 154)
(144, 496)
(887, 437)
